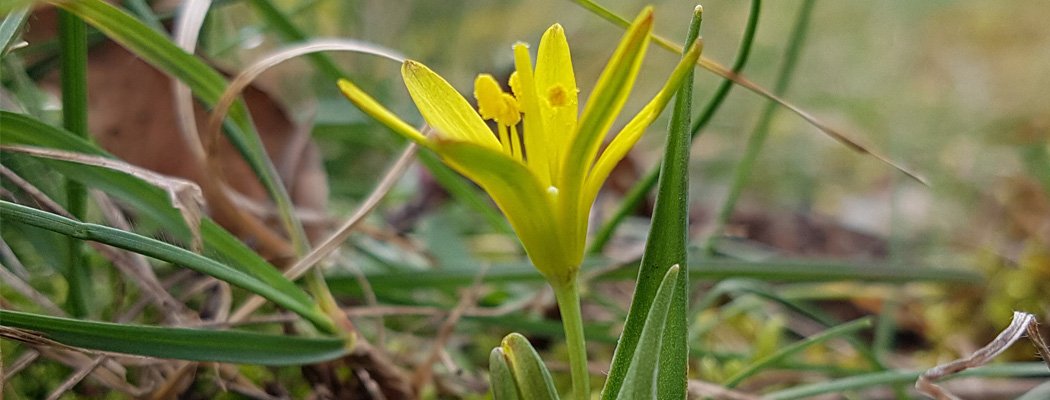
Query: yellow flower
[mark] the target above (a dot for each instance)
(546, 175)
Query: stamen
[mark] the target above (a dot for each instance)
(504, 139)
(489, 95)
(515, 140)
(509, 115)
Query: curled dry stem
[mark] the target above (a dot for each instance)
(1022, 324)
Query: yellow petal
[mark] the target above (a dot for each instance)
(372, 107)
(523, 83)
(629, 135)
(444, 108)
(609, 96)
(521, 197)
(556, 87)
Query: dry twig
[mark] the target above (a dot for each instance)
(1022, 322)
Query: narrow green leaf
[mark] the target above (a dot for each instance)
(72, 38)
(286, 295)
(452, 276)
(737, 286)
(530, 375)
(641, 381)
(501, 380)
(788, 351)
(230, 346)
(665, 247)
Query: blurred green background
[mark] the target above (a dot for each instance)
(954, 90)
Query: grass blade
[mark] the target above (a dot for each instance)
(788, 351)
(149, 201)
(721, 71)
(72, 38)
(665, 247)
(285, 294)
(230, 346)
(452, 276)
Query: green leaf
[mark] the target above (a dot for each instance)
(230, 346)
(641, 380)
(148, 200)
(530, 375)
(500, 377)
(286, 294)
(665, 247)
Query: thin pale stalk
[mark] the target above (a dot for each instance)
(718, 69)
(568, 296)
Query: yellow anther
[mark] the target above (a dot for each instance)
(557, 96)
(493, 103)
(489, 95)
(509, 113)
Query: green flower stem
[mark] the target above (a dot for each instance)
(568, 296)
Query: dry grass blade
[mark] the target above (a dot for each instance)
(75, 378)
(246, 77)
(16, 266)
(212, 181)
(14, 367)
(14, 282)
(840, 137)
(1022, 323)
(187, 30)
(184, 195)
(336, 239)
(1037, 340)
(739, 79)
(425, 371)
